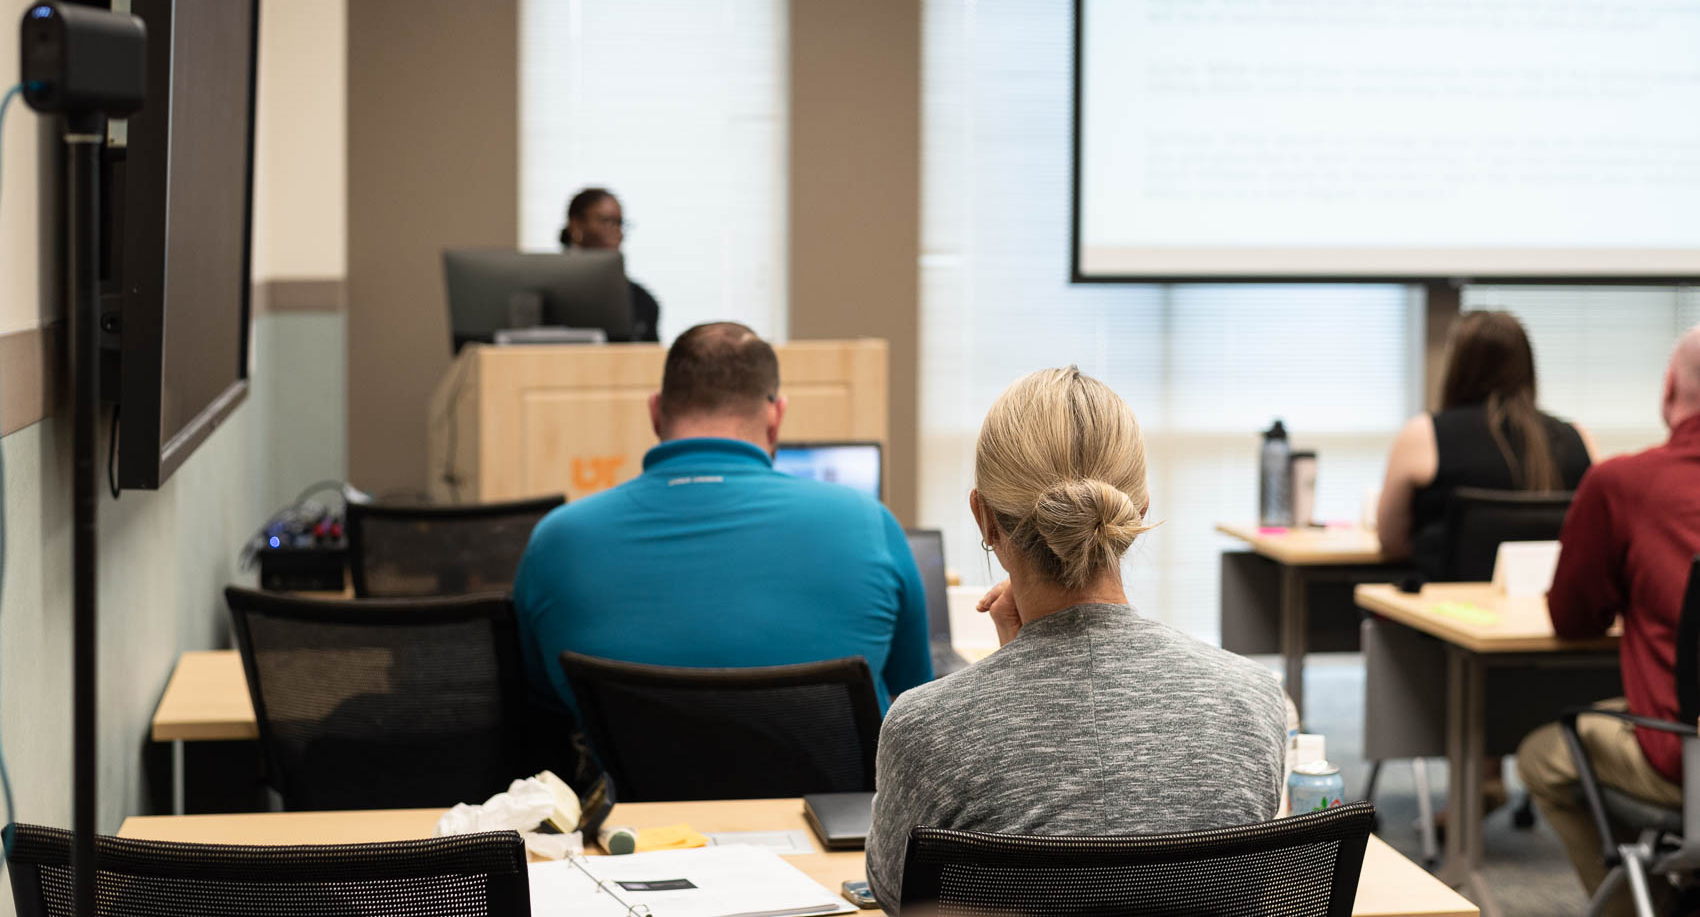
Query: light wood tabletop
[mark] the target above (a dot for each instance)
(1391, 885)
(1476, 617)
(205, 700)
(1310, 547)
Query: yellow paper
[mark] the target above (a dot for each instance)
(671, 837)
(1468, 612)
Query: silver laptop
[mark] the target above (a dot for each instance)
(928, 547)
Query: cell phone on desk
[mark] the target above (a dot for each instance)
(859, 893)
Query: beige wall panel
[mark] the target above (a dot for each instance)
(433, 90)
(855, 196)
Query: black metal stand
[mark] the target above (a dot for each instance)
(84, 135)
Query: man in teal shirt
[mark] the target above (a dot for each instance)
(711, 558)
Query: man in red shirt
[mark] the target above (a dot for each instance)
(1626, 548)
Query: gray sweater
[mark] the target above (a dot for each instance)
(1092, 721)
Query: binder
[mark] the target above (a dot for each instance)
(731, 881)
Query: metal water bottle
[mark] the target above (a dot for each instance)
(1275, 479)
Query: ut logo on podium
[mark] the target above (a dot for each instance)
(592, 473)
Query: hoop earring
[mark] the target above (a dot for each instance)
(985, 547)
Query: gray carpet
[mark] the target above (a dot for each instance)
(1526, 870)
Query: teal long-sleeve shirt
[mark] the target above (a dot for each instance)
(711, 558)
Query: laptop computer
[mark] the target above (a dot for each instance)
(928, 547)
(854, 465)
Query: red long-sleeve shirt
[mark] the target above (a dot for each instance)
(1626, 548)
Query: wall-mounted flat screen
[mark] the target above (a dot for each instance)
(180, 196)
(1400, 139)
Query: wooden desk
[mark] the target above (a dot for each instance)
(1286, 566)
(1310, 547)
(206, 700)
(1391, 886)
(1489, 646)
(1522, 626)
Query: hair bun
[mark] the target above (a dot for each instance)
(1086, 523)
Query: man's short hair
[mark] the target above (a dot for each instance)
(718, 368)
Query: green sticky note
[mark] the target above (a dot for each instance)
(1468, 612)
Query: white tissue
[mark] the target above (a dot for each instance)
(526, 803)
(522, 808)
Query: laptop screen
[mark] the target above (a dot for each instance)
(928, 547)
(855, 465)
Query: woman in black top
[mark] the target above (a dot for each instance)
(594, 220)
(1488, 433)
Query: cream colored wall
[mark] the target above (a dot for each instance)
(301, 141)
(20, 239)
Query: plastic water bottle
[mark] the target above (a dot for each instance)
(1275, 479)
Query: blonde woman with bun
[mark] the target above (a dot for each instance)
(1089, 719)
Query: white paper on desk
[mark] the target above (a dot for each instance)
(784, 843)
(734, 881)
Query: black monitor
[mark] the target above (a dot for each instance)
(178, 201)
(928, 547)
(494, 289)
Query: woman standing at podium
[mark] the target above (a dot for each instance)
(594, 220)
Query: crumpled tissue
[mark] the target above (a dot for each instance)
(522, 808)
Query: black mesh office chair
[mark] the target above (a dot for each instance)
(392, 703)
(1669, 839)
(1304, 866)
(1478, 521)
(400, 551)
(469, 874)
(669, 733)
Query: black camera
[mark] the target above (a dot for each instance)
(82, 60)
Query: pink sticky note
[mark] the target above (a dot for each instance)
(1272, 530)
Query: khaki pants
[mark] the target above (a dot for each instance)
(1544, 763)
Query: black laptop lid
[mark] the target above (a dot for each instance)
(928, 547)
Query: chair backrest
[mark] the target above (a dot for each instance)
(1304, 866)
(401, 551)
(435, 877)
(1478, 521)
(1688, 649)
(390, 703)
(668, 733)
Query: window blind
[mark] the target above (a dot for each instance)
(680, 108)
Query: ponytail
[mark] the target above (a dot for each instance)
(1518, 416)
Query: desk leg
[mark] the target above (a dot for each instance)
(1466, 742)
(179, 800)
(1295, 619)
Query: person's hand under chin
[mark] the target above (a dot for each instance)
(999, 602)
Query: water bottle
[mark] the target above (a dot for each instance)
(1275, 479)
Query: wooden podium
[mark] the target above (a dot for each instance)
(530, 420)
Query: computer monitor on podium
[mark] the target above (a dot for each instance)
(856, 465)
(493, 290)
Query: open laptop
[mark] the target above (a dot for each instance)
(928, 547)
(854, 465)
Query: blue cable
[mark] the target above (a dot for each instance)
(6, 100)
(5, 778)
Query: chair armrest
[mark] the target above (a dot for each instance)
(1590, 786)
(1645, 722)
